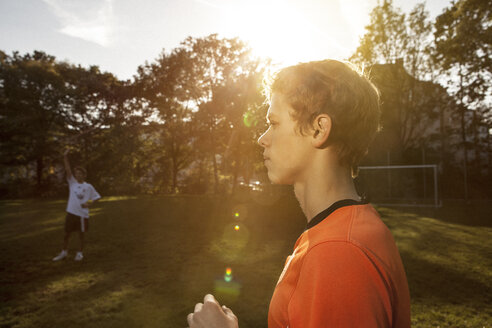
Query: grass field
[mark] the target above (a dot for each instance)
(148, 260)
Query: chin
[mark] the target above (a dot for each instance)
(272, 178)
(279, 180)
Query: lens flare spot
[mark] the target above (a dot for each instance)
(236, 228)
(228, 275)
(249, 120)
(239, 211)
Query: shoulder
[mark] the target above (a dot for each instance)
(336, 255)
(351, 235)
(361, 246)
(339, 225)
(366, 220)
(357, 224)
(71, 179)
(371, 233)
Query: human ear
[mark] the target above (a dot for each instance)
(322, 128)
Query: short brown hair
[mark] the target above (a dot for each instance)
(336, 89)
(81, 169)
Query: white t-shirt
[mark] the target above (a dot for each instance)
(79, 194)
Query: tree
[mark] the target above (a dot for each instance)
(104, 119)
(385, 39)
(242, 102)
(216, 63)
(404, 126)
(463, 36)
(420, 47)
(193, 88)
(46, 105)
(182, 115)
(404, 41)
(166, 85)
(32, 109)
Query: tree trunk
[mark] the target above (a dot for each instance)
(442, 129)
(174, 162)
(216, 174)
(489, 154)
(175, 175)
(463, 138)
(476, 145)
(465, 153)
(442, 152)
(214, 158)
(39, 172)
(235, 176)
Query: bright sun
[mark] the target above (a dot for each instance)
(278, 30)
(272, 29)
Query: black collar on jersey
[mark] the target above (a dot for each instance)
(335, 206)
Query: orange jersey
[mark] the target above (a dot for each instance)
(345, 271)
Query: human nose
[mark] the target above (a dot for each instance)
(262, 139)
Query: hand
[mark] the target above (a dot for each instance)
(86, 204)
(211, 315)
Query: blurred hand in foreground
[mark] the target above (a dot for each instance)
(211, 315)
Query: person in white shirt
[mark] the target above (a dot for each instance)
(82, 196)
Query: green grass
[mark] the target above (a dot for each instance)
(148, 260)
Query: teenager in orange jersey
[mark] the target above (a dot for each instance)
(345, 269)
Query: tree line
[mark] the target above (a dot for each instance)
(453, 51)
(188, 121)
(179, 113)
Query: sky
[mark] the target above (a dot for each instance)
(120, 35)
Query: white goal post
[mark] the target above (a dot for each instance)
(434, 202)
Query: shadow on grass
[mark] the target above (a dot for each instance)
(150, 259)
(444, 297)
(26, 217)
(130, 243)
(448, 267)
(147, 262)
(443, 284)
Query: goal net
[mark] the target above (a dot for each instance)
(400, 185)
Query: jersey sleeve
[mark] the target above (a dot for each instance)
(339, 286)
(93, 194)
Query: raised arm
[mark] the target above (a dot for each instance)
(68, 170)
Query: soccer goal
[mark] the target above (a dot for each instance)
(400, 185)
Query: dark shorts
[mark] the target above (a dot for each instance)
(76, 223)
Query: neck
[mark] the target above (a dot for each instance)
(316, 192)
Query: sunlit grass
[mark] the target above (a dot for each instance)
(449, 268)
(150, 259)
(116, 198)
